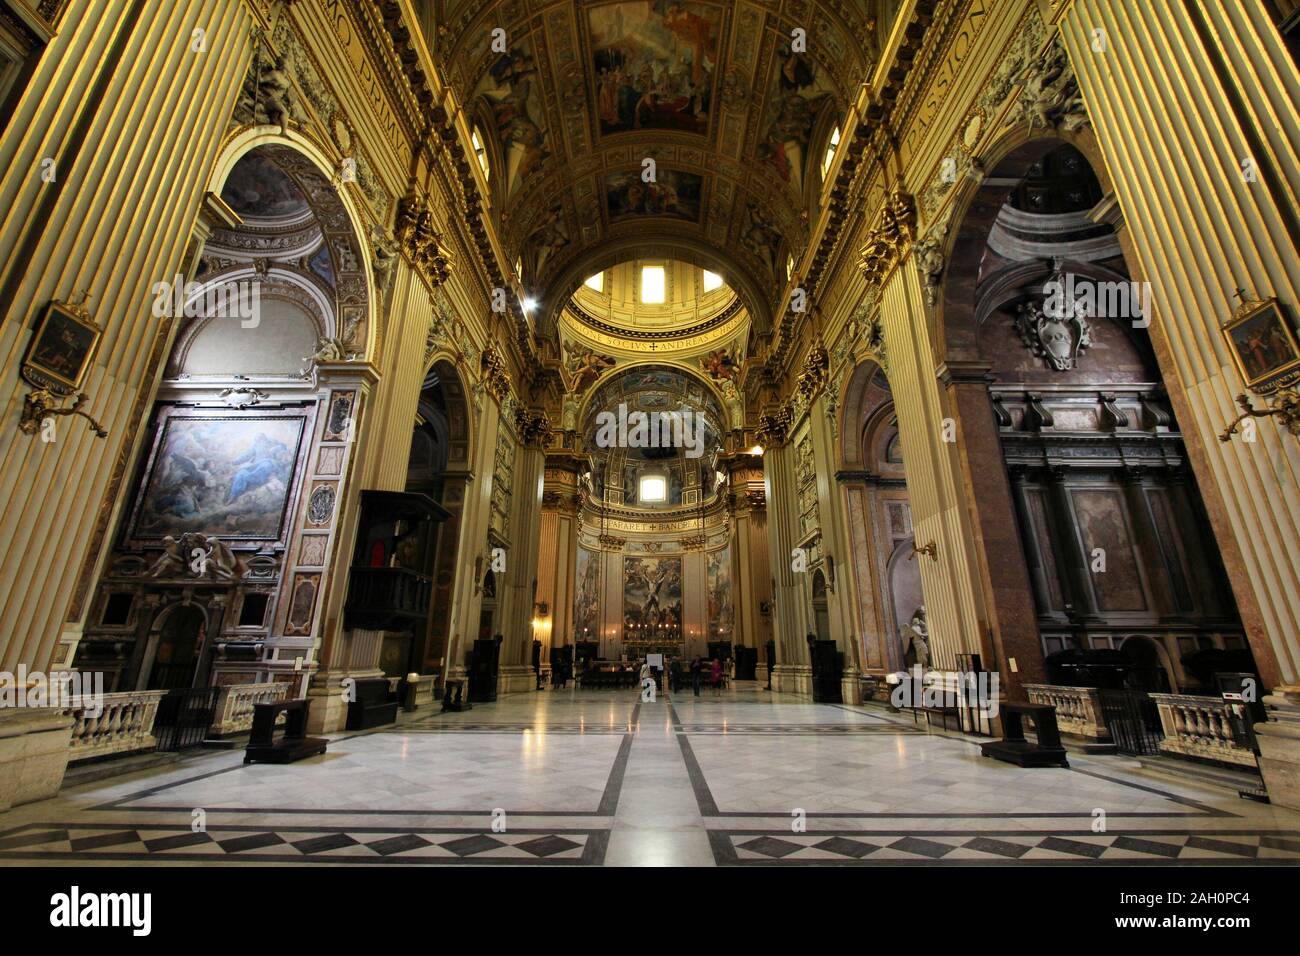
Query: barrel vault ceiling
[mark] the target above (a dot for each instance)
(734, 119)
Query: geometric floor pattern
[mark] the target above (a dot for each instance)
(1130, 847)
(124, 843)
(745, 778)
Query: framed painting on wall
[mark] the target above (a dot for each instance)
(62, 348)
(1263, 343)
(230, 475)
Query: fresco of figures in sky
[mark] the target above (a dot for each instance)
(798, 93)
(511, 90)
(671, 193)
(224, 477)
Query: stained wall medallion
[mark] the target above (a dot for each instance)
(320, 506)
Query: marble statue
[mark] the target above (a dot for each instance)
(919, 633)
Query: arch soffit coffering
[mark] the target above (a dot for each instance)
(252, 138)
(975, 209)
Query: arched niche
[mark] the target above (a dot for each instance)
(439, 466)
(1079, 483)
(877, 513)
(326, 244)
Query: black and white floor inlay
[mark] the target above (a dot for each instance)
(588, 778)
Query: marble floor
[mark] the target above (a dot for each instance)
(571, 777)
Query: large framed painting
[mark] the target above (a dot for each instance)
(586, 596)
(1263, 343)
(652, 598)
(229, 475)
(720, 608)
(62, 349)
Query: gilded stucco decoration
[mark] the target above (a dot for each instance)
(420, 242)
(496, 377)
(736, 125)
(890, 237)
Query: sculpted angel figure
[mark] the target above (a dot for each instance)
(170, 561)
(919, 633)
(221, 561)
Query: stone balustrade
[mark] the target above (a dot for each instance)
(235, 705)
(123, 724)
(1198, 727)
(1078, 710)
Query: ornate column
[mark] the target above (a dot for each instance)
(951, 577)
(309, 616)
(517, 588)
(1012, 617)
(836, 553)
(1195, 110)
(558, 552)
(752, 578)
(62, 496)
(791, 616)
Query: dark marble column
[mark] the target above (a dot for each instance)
(1013, 616)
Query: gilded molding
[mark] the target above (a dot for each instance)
(496, 378)
(773, 428)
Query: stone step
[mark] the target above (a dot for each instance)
(1216, 776)
(93, 770)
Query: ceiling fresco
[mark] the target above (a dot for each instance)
(733, 110)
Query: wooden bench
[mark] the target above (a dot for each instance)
(1014, 748)
(293, 744)
(374, 705)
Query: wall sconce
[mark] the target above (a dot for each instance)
(1284, 403)
(43, 404)
(931, 550)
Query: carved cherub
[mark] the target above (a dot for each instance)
(171, 561)
(221, 561)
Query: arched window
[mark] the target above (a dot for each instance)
(831, 145)
(480, 151)
(654, 489)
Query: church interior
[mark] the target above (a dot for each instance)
(706, 432)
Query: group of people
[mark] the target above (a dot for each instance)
(699, 672)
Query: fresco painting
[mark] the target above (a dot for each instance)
(653, 62)
(224, 477)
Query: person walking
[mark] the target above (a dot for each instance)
(697, 675)
(715, 677)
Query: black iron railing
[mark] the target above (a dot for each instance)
(185, 717)
(1133, 720)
